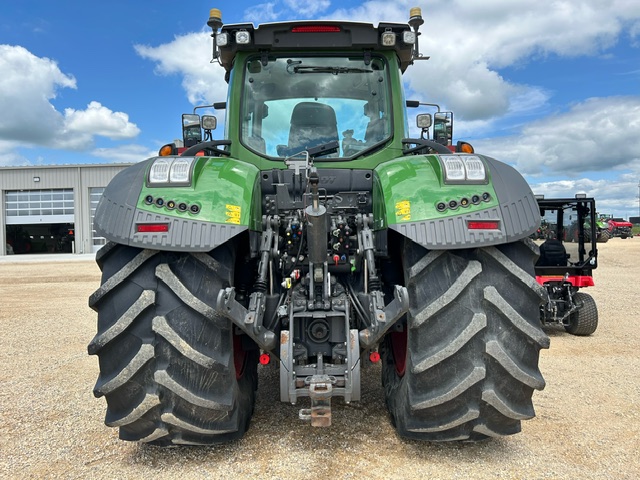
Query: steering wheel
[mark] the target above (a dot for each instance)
(422, 143)
(210, 147)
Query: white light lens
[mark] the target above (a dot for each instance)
(209, 122)
(408, 37)
(159, 172)
(388, 39)
(180, 171)
(453, 167)
(475, 168)
(242, 37)
(423, 120)
(222, 39)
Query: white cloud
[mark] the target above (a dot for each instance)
(263, 12)
(307, 9)
(469, 42)
(596, 138)
(99, 120)
(189, 55)
(9, 158)
(618, 197)
(599, 134)
(125, 153)
(294, 9)
(28, 84)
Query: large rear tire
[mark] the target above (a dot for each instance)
(468, 363)
(171, 369)
(603, 236)
(584, 321)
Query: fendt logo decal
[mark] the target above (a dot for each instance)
(233, 214)
(328, 180)
(403, 210)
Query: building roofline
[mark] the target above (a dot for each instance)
(66, 165)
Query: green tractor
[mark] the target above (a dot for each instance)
(603, 232)
(286, 244)
(600, 231)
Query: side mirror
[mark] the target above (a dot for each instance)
(191, 131)
(443, 127)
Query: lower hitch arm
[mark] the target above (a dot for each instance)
(383, 318)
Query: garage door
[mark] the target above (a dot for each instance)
(28, 207)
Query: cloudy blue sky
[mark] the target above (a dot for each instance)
(551, 87)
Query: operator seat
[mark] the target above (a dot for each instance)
(552, 254)
(312, 124)
(376, 128)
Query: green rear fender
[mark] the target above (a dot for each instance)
(412, 198)
(220, 203)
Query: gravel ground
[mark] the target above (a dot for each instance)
(587, 424)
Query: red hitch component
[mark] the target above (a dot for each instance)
(575, 280)
(374, 357)
(265, 358)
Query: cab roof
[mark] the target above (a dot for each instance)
(312, 35)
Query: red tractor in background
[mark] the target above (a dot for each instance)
(618, 227)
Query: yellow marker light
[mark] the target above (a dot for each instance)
(415, 12)
(215, 19)
(465, 147)
(166, 150)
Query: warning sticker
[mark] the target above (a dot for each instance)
(233, 214)
(403, 210)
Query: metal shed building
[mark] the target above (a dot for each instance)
(50, 208)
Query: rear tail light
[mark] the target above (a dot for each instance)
(152, 227)
(483, 225)
(315, 29)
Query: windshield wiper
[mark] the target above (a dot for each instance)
(328, 69)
